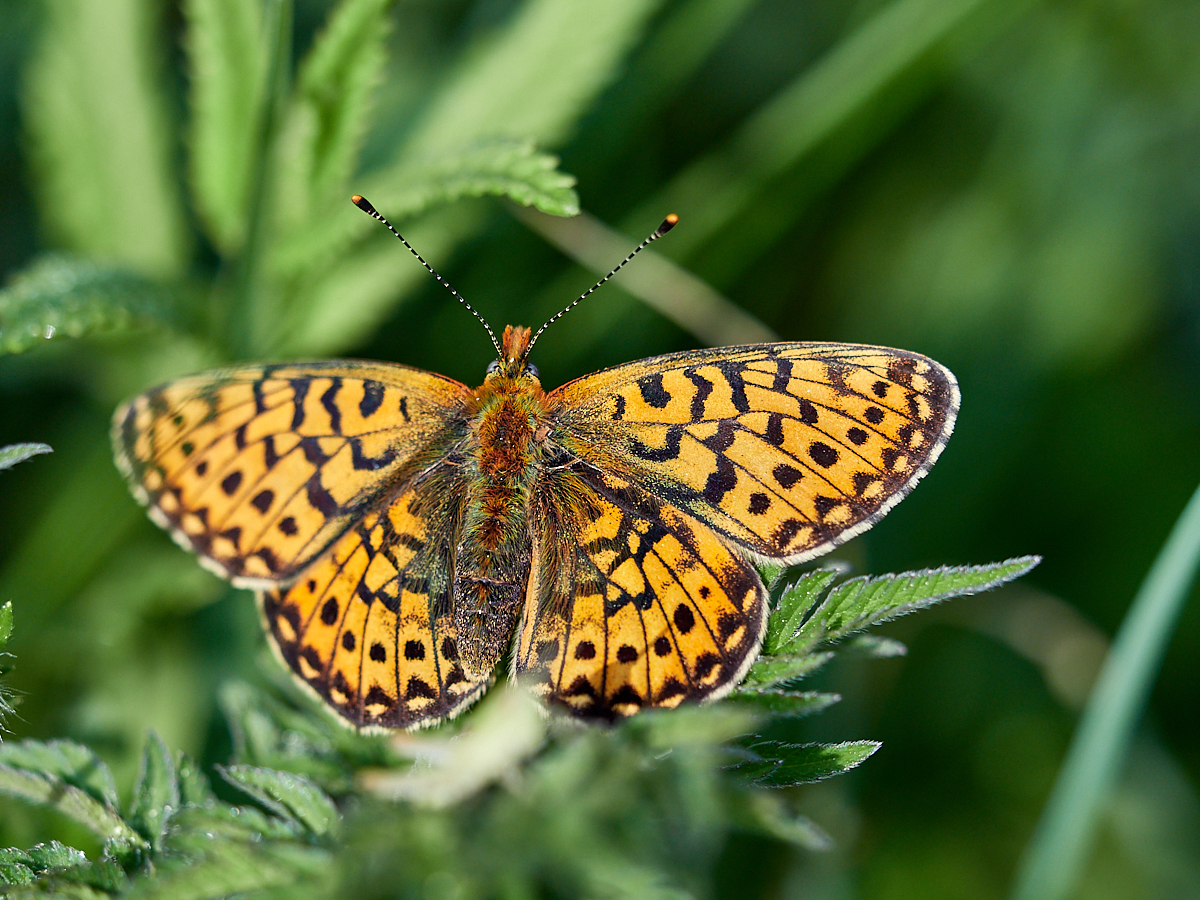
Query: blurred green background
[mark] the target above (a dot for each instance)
(1011, 188)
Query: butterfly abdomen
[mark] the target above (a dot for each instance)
(493, 555)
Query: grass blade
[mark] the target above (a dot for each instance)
(1057, 851)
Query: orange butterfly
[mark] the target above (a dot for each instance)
(401, 528)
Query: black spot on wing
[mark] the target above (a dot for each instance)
(371, 400)
(653, 392)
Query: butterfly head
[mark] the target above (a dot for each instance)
(513, 363)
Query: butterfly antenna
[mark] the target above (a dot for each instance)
(365, 205)
(667, 224)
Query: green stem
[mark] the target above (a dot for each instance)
(1056, 854)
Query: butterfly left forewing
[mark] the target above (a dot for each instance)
(785, 449)
(258, 469)
(632, 604)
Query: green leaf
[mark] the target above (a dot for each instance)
(64, 761)
(16, 866)
(288, 796)
(532, 77)
(6, 623)
(61, 296)
(156, 794)
(76, 804)
(768, 670)
(227, 57)
(784, 765)
(795, 602)
(327, 119)
(194, 789)
(513, 169)
(765, 813)
(9, 457)
(861, 602)
(786, 703)
(100, 135)
(874, 646)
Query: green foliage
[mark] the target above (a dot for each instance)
(510, 794)
(9, 457)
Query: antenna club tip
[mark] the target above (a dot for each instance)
(364, 204)
(668, 223)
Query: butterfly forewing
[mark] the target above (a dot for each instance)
(785, 449)
(259, 469)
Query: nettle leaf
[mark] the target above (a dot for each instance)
(862, 602)
(289, 796)
(769, 670)
(61, 296)
(327, 118)
(16, 867)
(6, 623)
(15, 453)
(194, 789)
(227, 57)
(156, 794)
(778, 764)
(786, 703)
(71, 763)
(795, 602)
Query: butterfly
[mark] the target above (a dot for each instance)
(408, 536)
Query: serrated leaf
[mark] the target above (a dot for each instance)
(51, 792)
(227, 59)
(784, 765)
(99, 134)
(328, 115)
(65, 297)
(795, 602)
(66, 761)
(861, 602)
(769, 670)
(786, 703)
(289, 796)
(514, 169)
(156, 794)
(54, 855)
(15, 453)
(205, 864)
(194, 789)
(14, 868)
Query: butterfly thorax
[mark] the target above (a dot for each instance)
(502, 460)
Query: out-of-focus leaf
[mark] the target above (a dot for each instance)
(785, 765)
(61, 296)
(204, 865)
(764, 812)
(16, 866)
(873, 645)
(288, 796)
(6, 623)
(156, 794)
(15, 453)
(226, 53)
(786, 703)
(100, 136)
(327, 117)
(533, 77)
(51, 792)
(194, 789)
(69, 762)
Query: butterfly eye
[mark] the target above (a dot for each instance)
(493, 367)
(531, 369)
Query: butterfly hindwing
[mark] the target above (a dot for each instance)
(369, 626)
(632, 603)
(258, 469)
(785, 449)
